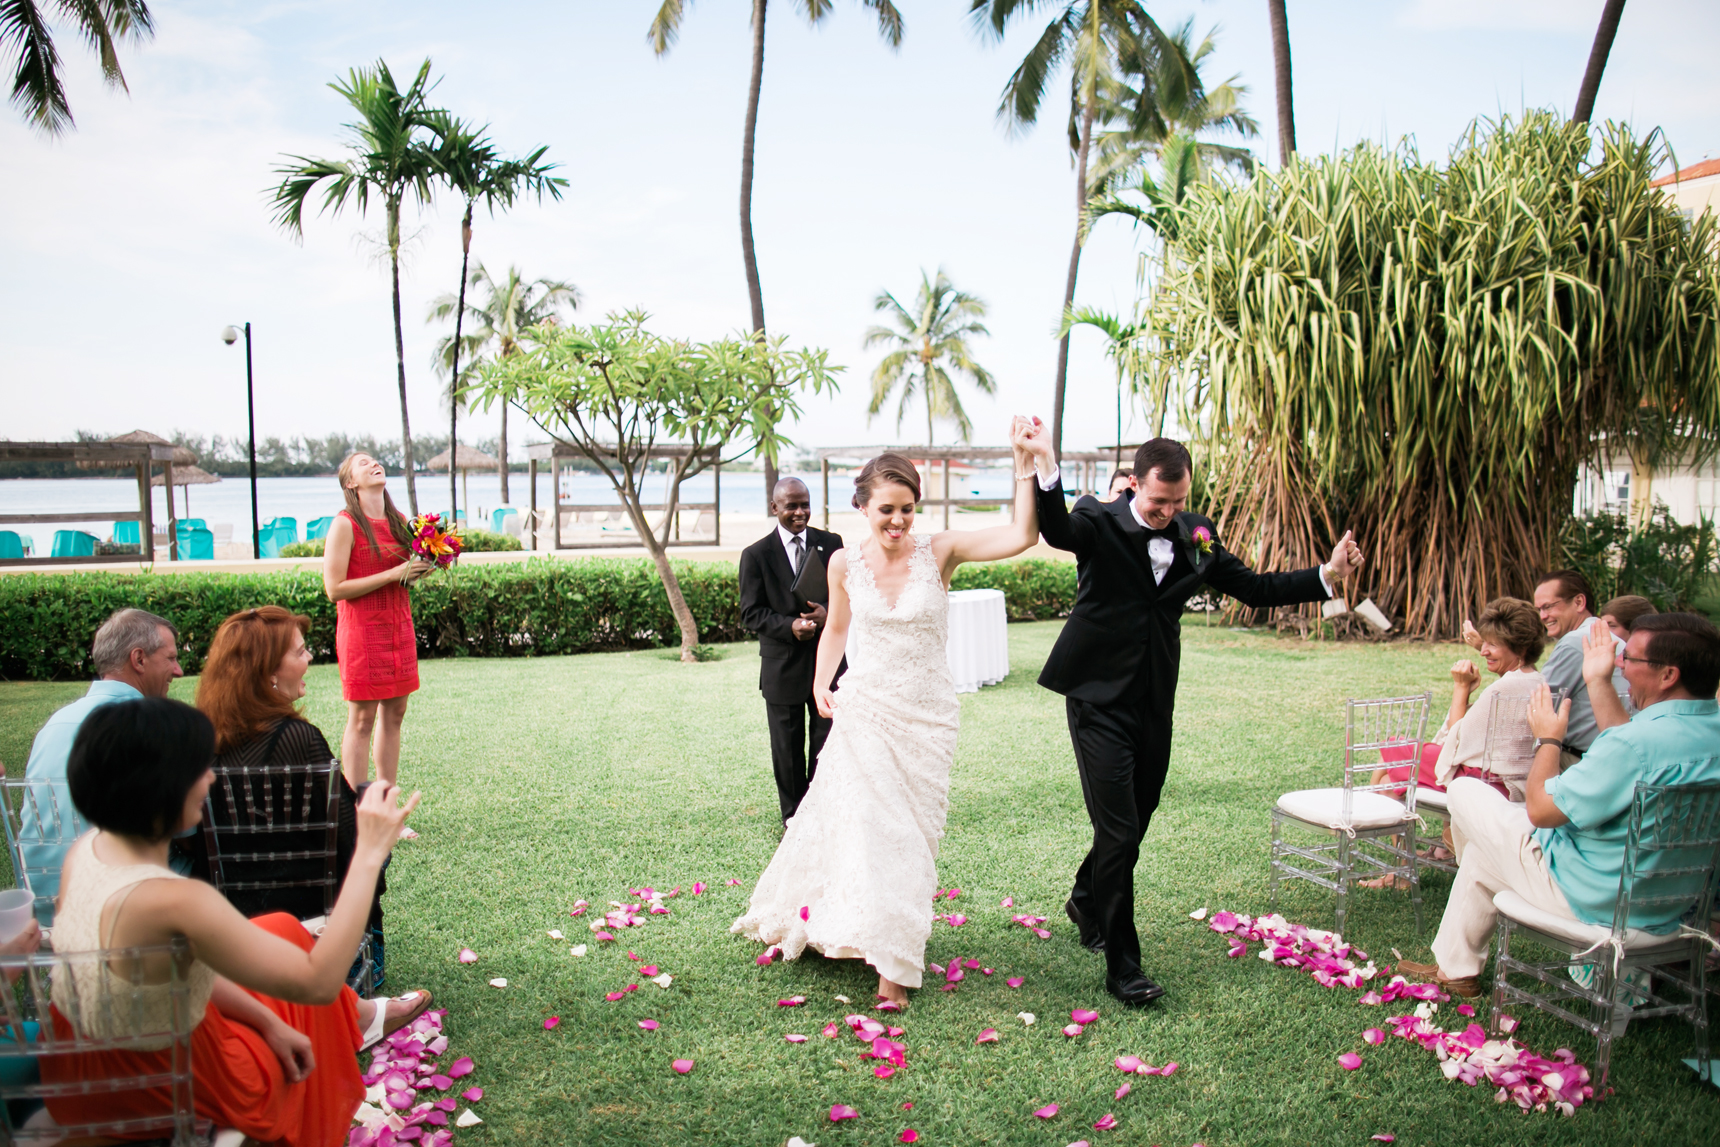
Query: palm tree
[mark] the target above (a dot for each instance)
(928, 342)
(469, 165)
(1597, 61)
(1281, 74)
(664, 29)
(506, 310)
(36, 87)
(1093, 37)
(1177, 136)
(391, 159)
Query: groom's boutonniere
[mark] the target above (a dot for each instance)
(1203, 539)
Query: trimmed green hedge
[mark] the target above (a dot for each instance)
(540, 606)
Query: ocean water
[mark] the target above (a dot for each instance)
(304, 499)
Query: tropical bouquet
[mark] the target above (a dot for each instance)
(433, 542)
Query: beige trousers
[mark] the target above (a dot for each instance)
(1495, 851)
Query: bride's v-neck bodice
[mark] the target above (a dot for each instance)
(909, 635)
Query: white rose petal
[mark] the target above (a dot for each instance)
(1026, 1017)
(468, 1118)
(576, 950)
(797, 1141)
(375, 1093)
(499, 982)
(841, 999)
(555, 934)
(1197, 914)
(663, 981)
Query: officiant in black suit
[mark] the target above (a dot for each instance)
(1116, 665)
(788, 635)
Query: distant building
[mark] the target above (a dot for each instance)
(1694, 188)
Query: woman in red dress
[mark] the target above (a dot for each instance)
(367, 565)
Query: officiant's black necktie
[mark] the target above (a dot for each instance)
(798, 552)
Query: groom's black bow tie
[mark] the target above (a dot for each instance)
(1169, 533)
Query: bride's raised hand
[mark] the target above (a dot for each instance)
(825, 700)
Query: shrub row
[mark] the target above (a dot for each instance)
(538, 607)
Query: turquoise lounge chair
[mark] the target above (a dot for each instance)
(73, 544)
(11, 545)
(287, 530)
(127, 533)
(196, 543)
(318, 528)
(498, 516)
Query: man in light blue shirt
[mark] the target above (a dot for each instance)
(1566, 604)
(137, 655)
(1563, 850)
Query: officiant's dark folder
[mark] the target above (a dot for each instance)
(811, 584)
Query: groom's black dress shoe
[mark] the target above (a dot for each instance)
(1134, 990)
(1090, 937)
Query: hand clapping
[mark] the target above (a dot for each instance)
(1465, 674)
(1544, 721)
(1599, 655)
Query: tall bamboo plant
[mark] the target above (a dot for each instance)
(1427, 355)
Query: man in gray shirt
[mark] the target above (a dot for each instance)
(1565, 602)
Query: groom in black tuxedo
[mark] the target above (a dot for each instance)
(787, 637)
(1116, 664)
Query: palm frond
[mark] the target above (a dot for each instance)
(666, 25)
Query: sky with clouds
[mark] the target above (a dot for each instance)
(132, 241)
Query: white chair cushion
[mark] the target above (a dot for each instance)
(1432, 799)
(1326, 807)
(1575, 931)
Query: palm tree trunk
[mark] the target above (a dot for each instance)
(454, 376)
(400, 354)
(1074, 267)
(1281, 73)
(755, 293)
(1597, 61)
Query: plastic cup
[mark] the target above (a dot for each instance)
(17, 906)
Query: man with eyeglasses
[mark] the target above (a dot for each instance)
(1563, 850)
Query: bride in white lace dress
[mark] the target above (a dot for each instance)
(856, 869)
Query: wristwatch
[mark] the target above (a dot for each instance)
(1543, 742)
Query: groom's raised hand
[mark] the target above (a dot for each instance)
(1346, 556)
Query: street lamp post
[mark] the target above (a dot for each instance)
(230, 335)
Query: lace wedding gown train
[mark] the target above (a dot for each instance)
(859, 858)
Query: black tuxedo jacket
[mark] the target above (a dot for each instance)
(1124, 634)
(769, 610)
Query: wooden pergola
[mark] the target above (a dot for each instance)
(556, 454)
(1082, 469)
(97, 455)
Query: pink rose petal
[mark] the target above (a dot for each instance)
(1372, 998)
(971, 965)
(805, 911)
(440, 1082)
(1123, 1090)
(698, 887)
(1106, 1122)
(1169, 1068)
(907, 1107)
(648, 970)
(1042, 933)
(883, 1071)
(1374, 1035)
(1008, 902)
(603, 936)
(462, 1066)
(830, 1030)
(467, 956)
(1047, 1112)
(889, 1006)
(682, 1066)
(613, 996)
(841, 1111)
(731, 882)
(1384, 1137)
(1128, 1063)
(908, 1135)
(1349, 1061)
(550, 1024)
(650, 1025)
(1015, 981)
(985, 971)
(1465, 1010)
(1073, 1030)
(989, 1035)
(1083, 1016)
(472, 1094)
(795, 1038)
(791, 1002)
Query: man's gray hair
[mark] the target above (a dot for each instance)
(126, 630)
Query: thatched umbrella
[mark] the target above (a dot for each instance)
(187, 476)
(181, 455)
(466, 461)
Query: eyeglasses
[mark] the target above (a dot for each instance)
(1639, 660)
(1551, 605)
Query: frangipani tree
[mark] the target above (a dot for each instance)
(614, 391)
(1426, 355)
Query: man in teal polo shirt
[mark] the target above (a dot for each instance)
(1563, 850)
(137, 655)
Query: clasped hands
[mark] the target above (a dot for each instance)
(807, 624)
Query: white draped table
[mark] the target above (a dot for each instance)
(979, 638)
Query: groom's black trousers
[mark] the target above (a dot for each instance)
(1123, 751)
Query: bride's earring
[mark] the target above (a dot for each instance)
(275, 684)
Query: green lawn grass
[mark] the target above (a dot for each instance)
(548, 781)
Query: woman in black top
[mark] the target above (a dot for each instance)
(251, 683)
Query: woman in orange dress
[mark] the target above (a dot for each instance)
(367, 565)
(273, 1053)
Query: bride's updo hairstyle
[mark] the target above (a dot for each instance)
(884, 469)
